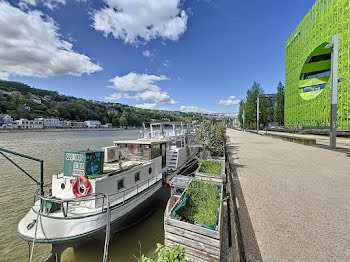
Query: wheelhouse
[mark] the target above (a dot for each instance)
(146, 149)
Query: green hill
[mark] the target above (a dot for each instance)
(22, 101)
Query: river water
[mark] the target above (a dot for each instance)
(16, 194)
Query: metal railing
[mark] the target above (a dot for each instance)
(65, 203)
(41, 182)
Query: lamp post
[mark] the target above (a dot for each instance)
(334, 89)
(243, 118)
(257, 115)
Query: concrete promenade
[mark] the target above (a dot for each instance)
(343, 143)
(293, 200)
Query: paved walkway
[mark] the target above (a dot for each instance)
(293, 200)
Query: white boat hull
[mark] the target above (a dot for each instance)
(57, 230)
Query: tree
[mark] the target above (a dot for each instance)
(123, 120)
(115, 120)
(240, 113)
(251, 105)
(279, 109)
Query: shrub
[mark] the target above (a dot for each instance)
(210, 137)
(173, 254)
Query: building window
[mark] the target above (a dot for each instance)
(137, 176)
(120, 184)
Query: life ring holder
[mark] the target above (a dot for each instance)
(87, 186)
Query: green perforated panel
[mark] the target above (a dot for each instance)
(326, 18)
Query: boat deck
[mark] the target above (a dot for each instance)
(85, 207)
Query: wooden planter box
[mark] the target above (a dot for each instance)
(200, 243)
(216, 179)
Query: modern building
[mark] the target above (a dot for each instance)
(308, 65)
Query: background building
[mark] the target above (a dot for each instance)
(29, 124)
(5, 119)
(308, 64)
(92, 123)
(50, 122)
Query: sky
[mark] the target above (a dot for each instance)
(187, 55)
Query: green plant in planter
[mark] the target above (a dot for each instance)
(209, 166)
(203, 200)
(173, 254)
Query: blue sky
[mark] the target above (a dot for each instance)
(181, 55)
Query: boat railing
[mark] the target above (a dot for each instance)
(118, 197)
(156, 134)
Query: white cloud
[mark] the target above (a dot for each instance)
(31, 45)
(230, 101)
(142, 85)
(117, 96)
(195, 109)
(135, 20)
(51, 4)
(146, 53)
(137, 82)
(147, 106)
(156, 96)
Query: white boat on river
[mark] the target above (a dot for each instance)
(114, 186)
(105, 190)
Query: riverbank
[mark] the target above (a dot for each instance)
(64, 130)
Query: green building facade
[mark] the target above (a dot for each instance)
(308, 65)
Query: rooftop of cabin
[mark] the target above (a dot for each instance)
(142, 142)
(164, 123)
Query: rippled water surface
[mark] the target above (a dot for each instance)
(16, 194)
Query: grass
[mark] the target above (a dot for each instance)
(209, 167)
(202, 204)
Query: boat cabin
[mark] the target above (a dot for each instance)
(146, 149)
(119, 171)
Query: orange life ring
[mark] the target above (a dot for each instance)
(87, 186)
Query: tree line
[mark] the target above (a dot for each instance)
(270, 110)
(18, 101)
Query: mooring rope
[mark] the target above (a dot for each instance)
(36, 228)
(108, 228)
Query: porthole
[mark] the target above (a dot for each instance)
(63, 186)
(150, 170)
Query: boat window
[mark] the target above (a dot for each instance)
(137, 176)
(134, 149)
(150, 170)
(145, 151)
(155, 151)
(120, 184)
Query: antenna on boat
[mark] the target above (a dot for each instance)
(41, 183)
